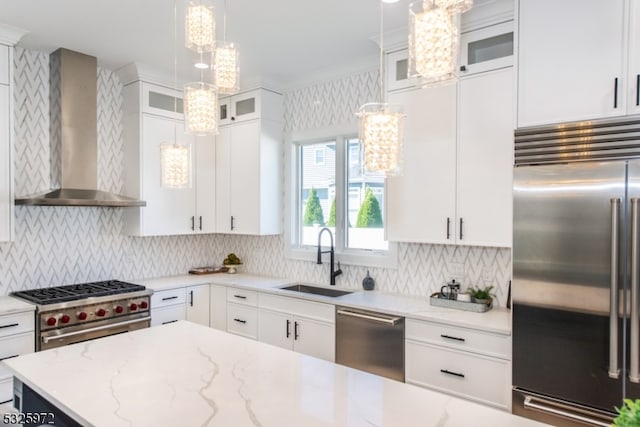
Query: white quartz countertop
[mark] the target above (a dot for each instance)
(9, 305)
(496, 320)
(183, 374)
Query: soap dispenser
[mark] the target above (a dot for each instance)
(368, 283)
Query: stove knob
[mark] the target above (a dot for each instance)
(119, 309)
(82, 315)
(51, 321)
(144, 304)
(65, 318)
(133, 306)
(101, 312)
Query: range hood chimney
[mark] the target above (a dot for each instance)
(74, 136)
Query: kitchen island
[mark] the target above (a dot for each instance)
(183, 374)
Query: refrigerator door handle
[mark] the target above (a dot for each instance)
(614, 371)
(634, 376)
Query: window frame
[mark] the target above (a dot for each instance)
(292, 203)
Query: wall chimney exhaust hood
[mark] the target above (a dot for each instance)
(74, 136)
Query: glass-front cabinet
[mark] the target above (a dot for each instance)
(244, 106)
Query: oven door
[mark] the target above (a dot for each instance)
(74, 334)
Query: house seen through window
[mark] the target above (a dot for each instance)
(339, 194)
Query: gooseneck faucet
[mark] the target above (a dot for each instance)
(333, 274)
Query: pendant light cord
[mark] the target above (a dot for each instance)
(224, 22)
(175, 69)
(381, 84)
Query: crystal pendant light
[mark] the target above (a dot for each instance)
(175, 162)
(226, 70)
(433, 42)
(381, 127)
(200, 26)
(175, 157)
(455, 6)
(200, 108)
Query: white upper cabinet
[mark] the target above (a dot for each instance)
(420, 205)
(248, 170)
(571, 60)
(633, 88)
(6, 146)
(153, 117)
(486, 49)
(455, 186)
(254, 104)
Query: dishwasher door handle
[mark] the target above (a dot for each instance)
(390, 320)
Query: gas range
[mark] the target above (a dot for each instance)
(74, 313)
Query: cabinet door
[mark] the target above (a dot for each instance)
(168, 314)
(4, 65)
(218, 307)
(245, 177)
(6, 159)
(485, 159)
(486, 49)
(169, 210)
(314, 338)
(198, 304)
(223, 180)
(421, 201)
(634, 58)
(570, 55)
(275, 329)
(398, 70)
(205, 173)
(245, 106)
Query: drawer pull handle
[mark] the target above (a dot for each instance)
(288, 330)
(11, 325)
(240, 296)
(240, 321)
(9, 357)
(169, 298)
(449, 337)
(295, 330)
(455, 374)
(170, 321)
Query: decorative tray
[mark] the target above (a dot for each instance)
(460, 305)
(208, 270)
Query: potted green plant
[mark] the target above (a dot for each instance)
(481, 295)
(629, 414)
(232, 262)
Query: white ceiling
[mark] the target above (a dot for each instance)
(283, 43)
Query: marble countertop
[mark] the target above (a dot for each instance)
(496, 320)
(9, 305)
(186, 374)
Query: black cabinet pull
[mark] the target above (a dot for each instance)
(11, 325)
(191, 298)
(461, 222)
(240, 321)
(240, 296)
(448, 228)
(168, 298)
(455, 374)
(193, 223)
(288, 330)
(463, 68)
(295, 330)
(637, 89)
(8, 357)
(170, 321)
(200, 222)
(615, 93)
(232, 226)
(449, 337)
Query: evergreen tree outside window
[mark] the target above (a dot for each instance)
(369, 215)
(313, 211)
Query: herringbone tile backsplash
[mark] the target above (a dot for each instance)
(61, 245)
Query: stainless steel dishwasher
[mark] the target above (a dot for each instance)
(370, 341)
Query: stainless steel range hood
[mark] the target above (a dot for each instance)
(74, 136)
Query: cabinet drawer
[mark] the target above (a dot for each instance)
(6, 390)
(459, 338)
(168, 297)
(15, 346)
(242, 296)
(298, 307)
(170, 314)
(242, 320)
(480, 378)
(17, 323)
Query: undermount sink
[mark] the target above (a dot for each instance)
(308, 289)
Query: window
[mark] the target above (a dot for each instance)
(330, 188)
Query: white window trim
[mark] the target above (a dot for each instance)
(346, 256)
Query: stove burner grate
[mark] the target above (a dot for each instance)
(67, 293)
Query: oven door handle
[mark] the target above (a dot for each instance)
(45, 340)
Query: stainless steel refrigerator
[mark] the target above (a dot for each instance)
(576, 270)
